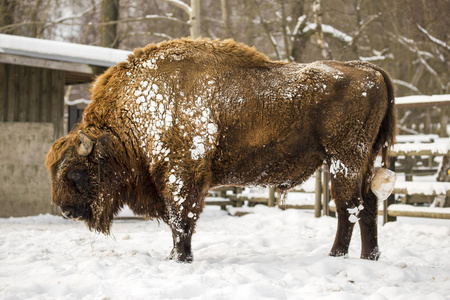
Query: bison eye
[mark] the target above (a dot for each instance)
(77, 175)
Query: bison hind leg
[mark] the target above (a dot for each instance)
(368, 222)
(346, 184)
(355, 203)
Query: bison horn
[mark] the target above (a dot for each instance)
(86, 145)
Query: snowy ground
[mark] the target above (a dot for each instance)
(268, 254)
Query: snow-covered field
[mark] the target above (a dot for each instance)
(267, 254)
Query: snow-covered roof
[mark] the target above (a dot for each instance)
(61, 51)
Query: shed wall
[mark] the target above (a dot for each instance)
(24, 180)
(30, 94)
(31, 118)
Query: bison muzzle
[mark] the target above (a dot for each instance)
(181, 117)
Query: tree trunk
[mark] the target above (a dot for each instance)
(299, 39)
(194, 19)
(108, 34)
(7, 15)
(317, 11)
(35, 27)
(284, 31)
(226, 19)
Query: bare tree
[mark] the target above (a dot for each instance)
(109, 14)
(193, 12)
(225, 8)
(7, 15)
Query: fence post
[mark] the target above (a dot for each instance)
(318, 193)
(271, 197)
(391, 199)
(326, 190)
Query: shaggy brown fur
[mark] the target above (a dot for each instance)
(181, 117)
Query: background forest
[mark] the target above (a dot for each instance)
(408, 38)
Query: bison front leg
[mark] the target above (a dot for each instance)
(182, 225)
(181, 251)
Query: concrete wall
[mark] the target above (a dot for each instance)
(24, 180)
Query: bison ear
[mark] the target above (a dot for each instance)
(105, 140)
(105, 145)
(86, 144)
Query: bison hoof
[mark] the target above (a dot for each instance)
(180, 257)
(375, 255)
(337, 253)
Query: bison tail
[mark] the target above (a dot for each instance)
(386, 135)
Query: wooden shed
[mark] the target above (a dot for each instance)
(33, 77)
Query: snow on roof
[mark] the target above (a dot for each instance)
(62, 51)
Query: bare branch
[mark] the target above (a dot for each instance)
(180, 4)
(329, 31)
(47, 24)
(301, 22)
(408, 130)
(76, 16)
(407, 85)
(156, 34)
(363, 27)
(433, 39)
(139, 19)
(61, 22)
(267, 30)
(410, 45)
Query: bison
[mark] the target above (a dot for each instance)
(181, 117)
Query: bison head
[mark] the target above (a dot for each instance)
(80, 171)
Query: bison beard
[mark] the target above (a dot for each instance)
(181, 117)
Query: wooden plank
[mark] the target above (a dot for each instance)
(54, 101)
(46, 63)
(57, 95)
(62, 106)
(3, 92)
(318, 194)
(432, 214)
(294, 206)
(10, 107)
(259, 200)
(423, 152)
(411, 212)
(45, 103)
(404, 191)
(423, 104)
(422, 188)
(326, 189)
(222, 203)
(219, 203)
(271, 200)
(135, 218)
(23, 93)
(422, 101)
(34, 102)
